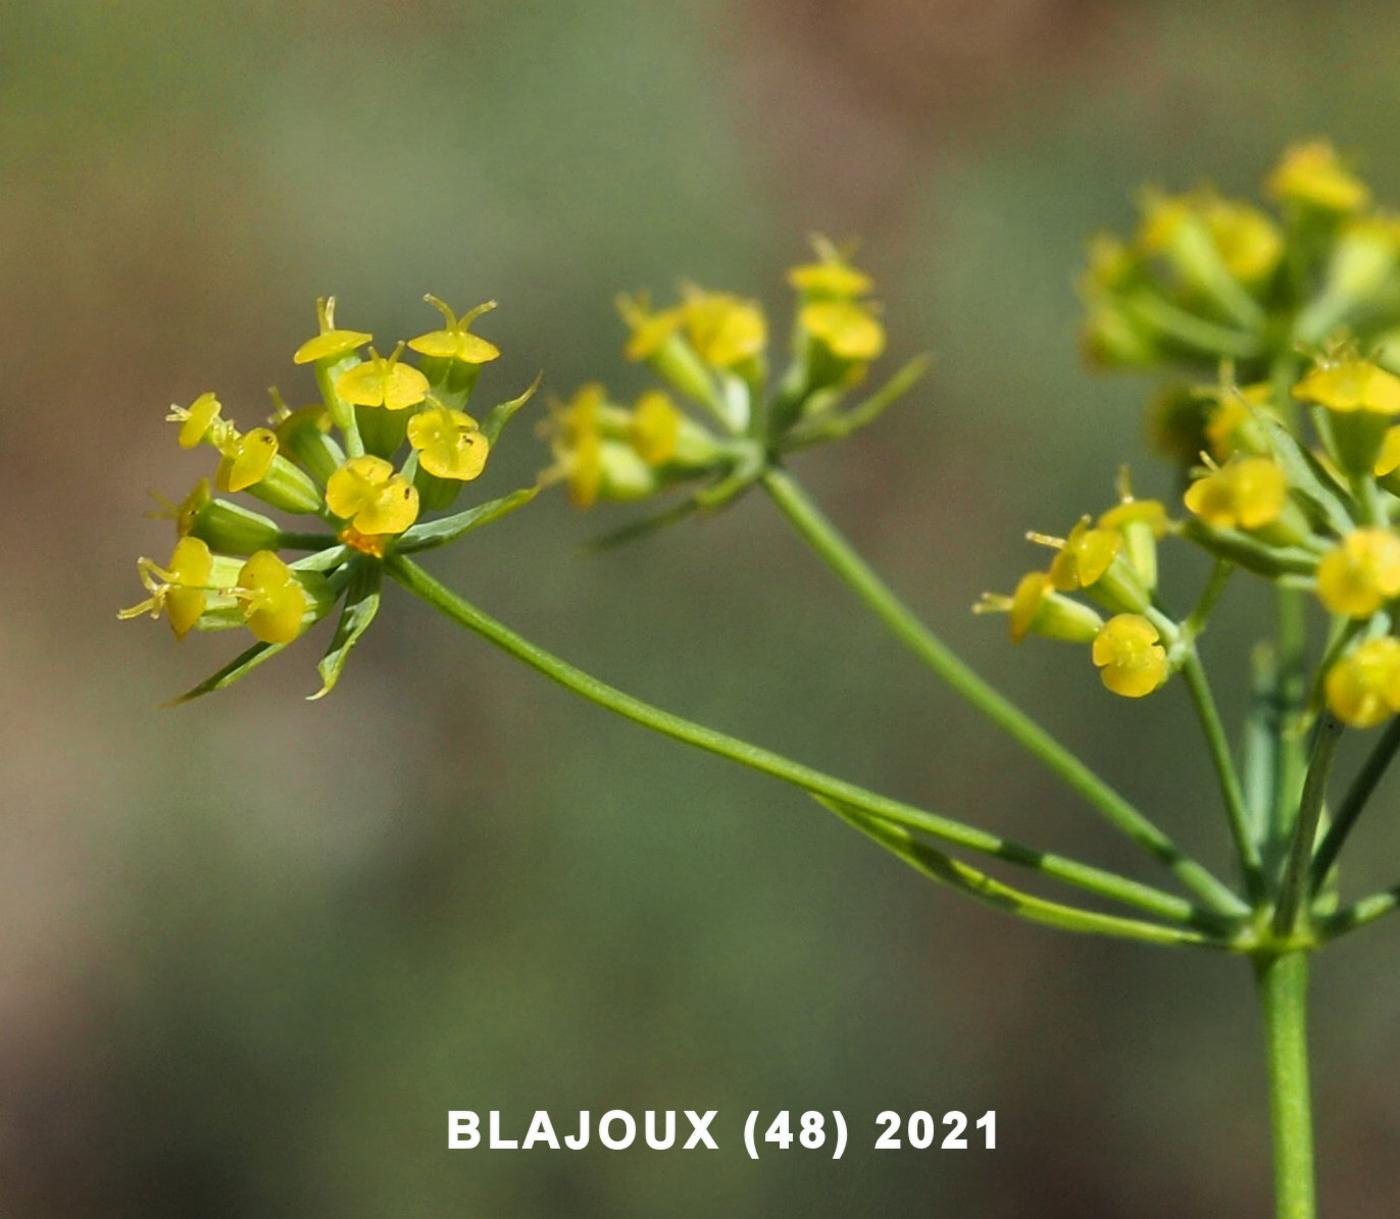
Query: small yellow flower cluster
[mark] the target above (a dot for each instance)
(711, 351)
(1113, 562)
(337, 461)
(1292, 452)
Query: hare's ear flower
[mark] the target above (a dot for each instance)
(1363, 687)
(1130, 656)
(1361, 573)
(367, 494)
(183, 588)
(455, 340)
(1313, 175)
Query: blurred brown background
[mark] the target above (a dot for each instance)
(255, 948)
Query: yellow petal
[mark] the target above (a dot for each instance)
(847, 328)
(330, 345)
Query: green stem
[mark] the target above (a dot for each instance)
(823, 537)
(1290, 646)
(1283, 995)
(1230, 789)
(1294, 885)
(1359, 914)
(974, 883)
(1071, 871)
(1354, 802)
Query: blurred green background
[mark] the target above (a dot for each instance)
(254, 949)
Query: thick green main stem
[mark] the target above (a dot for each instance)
(1096, 880)
(1283, 996)
(826, 540)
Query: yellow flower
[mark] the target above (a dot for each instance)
(1131, 660)
(578, 444)
(246, 459)
(1036, 608)
(725, 330)
(849, 328)
(649, 330)
(1351, 384)
(1363, 688)
(197, 420)
(831, 276)
(366, 492)
(449, 443)
(383, 382)
(331, 343)
(180, 589)
(273, 599)
(1360, 574)
(1086, 555)
(455, 340)
(654, 427)
(1233, 420)
(1149, 512)
(1312, 173)
(1248, 241)
(1245, 494)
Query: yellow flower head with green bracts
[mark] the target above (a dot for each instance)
(455, 341)
(1351, 384)
(724, 329)
(199, 421)
(449, 443)
(1313, 174)
(848, 328)
(383, 381)
(648, 328)
(367, 493)
(654, 427)
(180, 589)
(331, 343)
(1361, 573)
(1363, 687)
(1084, 556)
(831, 276)
(1130, 656)
(246, 459)
(272, 598)
(1247, 493)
